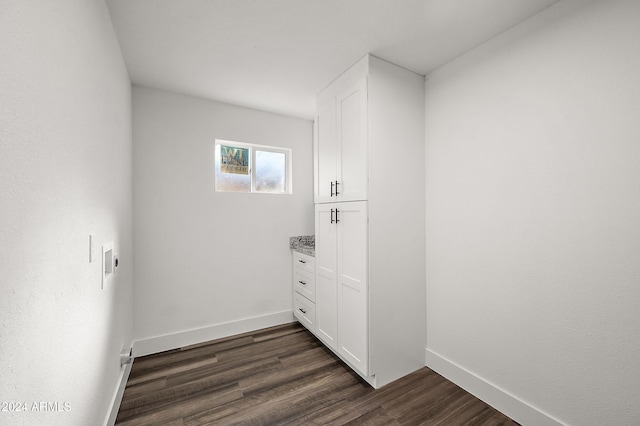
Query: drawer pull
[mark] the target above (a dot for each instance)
(302, 310)
(302, 282)
(302, 261)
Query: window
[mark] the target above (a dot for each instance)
(245, 167)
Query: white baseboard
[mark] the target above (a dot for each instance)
(181, 339)
(501, 400)
(117, 396)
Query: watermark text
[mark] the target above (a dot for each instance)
(35, 406)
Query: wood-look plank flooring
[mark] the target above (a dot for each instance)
(284, 376)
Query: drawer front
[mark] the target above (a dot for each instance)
(304, 282)
(305, 311)
(304, 262)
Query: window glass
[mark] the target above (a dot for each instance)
(230, 182)
(244, 167)
(270, 171)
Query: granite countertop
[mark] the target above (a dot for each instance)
(304, 244)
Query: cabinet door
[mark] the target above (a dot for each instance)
(352, 142)
(326, 153)
(326, 275)
(352, 231)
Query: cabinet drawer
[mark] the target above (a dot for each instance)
(305, 311)
(303, 262)
(304, 282)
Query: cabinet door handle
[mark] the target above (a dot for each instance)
(337, 220)
(337, 189)
(302, 282)
(302, 310)
(331, 189)
(332, 221)
(302, 261)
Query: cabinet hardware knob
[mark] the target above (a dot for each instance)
(302, 310)
(302, 282)
(302, 261)
(337, 220)
(331, 189)
(337, 189)
(332, 221)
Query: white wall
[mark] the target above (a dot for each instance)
(533, 213)
(65, 172)
(206, 258)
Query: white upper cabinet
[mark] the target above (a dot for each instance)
(341, 146)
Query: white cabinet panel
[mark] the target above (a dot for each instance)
(352, 140)
(303, 262)
(304, 283)
(352, 283)
(304, 310)
(340, 146)
(326, 275)
(326, 153)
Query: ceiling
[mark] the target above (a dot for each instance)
(276, 55)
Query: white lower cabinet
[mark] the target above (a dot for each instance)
(304, 290)
(341, 280)
(304, 280)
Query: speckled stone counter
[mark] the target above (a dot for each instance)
(304, 244)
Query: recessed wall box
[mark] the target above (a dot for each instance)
(107, 262)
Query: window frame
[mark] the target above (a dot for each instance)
(288, 169)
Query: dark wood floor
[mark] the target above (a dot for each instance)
(284, 376)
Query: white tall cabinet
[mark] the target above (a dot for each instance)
(370, 240)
